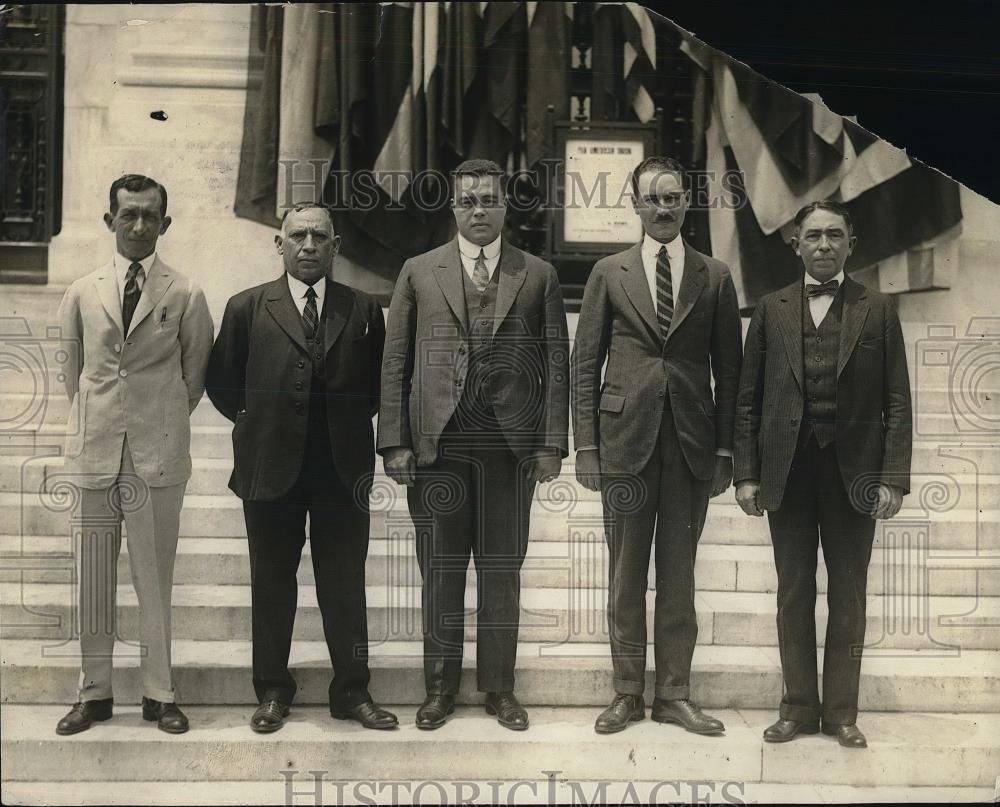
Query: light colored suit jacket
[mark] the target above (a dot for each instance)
(144, 384)
(426, 354)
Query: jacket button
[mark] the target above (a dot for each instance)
(317, 357)
(123, 373)
(298, 385)
(458, 382)
(461, 350)
(660, 394)
(118, 348)
(819, 358)
(301, 364)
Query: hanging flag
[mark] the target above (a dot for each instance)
(461, 46)
(549, 28)
(639, 59)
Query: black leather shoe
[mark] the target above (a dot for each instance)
(434, 711)
(847, 734)
(269, 716)
(510, 714)
(624, 709)
(168, 716)
(82, 715)
(785, 730)
(687, 714)
(368, 714)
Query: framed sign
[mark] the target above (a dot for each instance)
(593, 212)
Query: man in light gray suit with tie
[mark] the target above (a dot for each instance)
(653, 438)
(144, 334)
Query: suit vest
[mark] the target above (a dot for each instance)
(318, 432)
(475, 404)
(820, 351)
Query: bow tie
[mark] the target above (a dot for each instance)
(817, 289)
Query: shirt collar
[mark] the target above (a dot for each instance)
(122, 264)
(298, 288)
(810, 280)
(675, 248)
(471, 251)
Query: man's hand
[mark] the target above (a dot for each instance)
(746, 496)
(543, 468)
(723, 475)
(588, 468)
(401, 466)
(890, 499)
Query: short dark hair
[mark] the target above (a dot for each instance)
(136, 183)
(477, 168)
(298, 208)
(831, 207)
(661, 165)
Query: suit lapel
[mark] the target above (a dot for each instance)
(854, 316)
(280, 306)
(636, 288)
(107, 290)
(692, 282)
(156, 285)
(449, 278)
(509, 281)
(789, 318)
(337, 310)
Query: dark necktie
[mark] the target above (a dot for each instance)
(133, 290)
(664, 292)
(818, 289)
(310, 318)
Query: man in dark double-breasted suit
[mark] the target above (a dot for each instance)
(296, 368)
(823, 445)
(475, 390)
(653, 438)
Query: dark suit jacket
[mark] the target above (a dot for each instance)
(426, 354)
(874, 417)
(618, 322)
(259, 376)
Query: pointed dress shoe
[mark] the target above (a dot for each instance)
(508, 710)
(434, 711)
(83, 715)
(168, 716)
(785, 730)
(624, 709)
(685, 713)
(368, 714)
(847, 734)
(269, 716)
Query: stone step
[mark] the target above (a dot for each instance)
(542, 791)
(222, 516)
(904, 749)
(548, 564)
(895, 622)
(217, 672)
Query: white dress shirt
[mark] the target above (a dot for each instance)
(470, 253)
(820, 304)
(675, 253)
(299, 289)
(121, 271)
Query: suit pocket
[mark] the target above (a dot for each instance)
(611, 402)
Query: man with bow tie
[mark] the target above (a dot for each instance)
(296, 368)
(823, 444)
(144, 333)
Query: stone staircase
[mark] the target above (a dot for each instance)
(930, 684)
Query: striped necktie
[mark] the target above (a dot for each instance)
(480, 274)
(664, 292)
(310, 317)
(133, 290)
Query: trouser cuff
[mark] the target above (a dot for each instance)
(800, 714)
(623, 687)
(672, 693)
(840, 717)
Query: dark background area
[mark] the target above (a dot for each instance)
(924, 76)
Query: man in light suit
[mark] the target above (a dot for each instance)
(475, 387)
(144, 333)
(652, 438)
(823, 445)
(296, 368)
